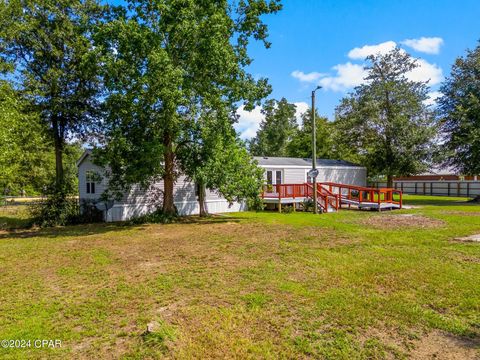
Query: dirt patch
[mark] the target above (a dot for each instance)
(471, 238)
(440, 346)
(402, 221)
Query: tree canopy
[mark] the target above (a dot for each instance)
(48, 47)
(276, 129)
(167, 64)
(26, 161)
(386, 120)
(301, 143)
(459, 110)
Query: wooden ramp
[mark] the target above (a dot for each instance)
(333, 196)
(365, 197)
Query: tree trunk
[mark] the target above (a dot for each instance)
(58, 144)
(201, 200)
(389, 181)
(168, 177)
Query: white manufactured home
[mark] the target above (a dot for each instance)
(141, 201)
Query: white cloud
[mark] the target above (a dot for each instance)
(302, 107)
(432, 98)
(306, 77)
(248, 122)
(426, 72)
(348, 76)
(361, 53)
(428, 45)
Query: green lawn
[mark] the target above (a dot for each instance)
(348, 285)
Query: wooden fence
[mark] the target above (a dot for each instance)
(460, 188)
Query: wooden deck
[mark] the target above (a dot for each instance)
(332, 196)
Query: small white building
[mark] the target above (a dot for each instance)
(139, 201)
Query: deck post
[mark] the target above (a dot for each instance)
(279, 206)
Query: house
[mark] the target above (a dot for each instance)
(140, 201)
(285, 170)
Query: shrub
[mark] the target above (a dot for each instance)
(307, 205)
(60, 210)
(157, 216)
(55, 210)
(89, 213)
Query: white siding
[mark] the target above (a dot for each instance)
(347, 175)
(295, 176)
(343, 175)
(100, 187)
(140, 201)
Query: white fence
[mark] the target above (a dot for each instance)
(459, 188)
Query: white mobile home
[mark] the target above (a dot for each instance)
(285, 170)
(139, 201)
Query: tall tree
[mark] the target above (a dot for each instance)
(301, 143)
(386, 120)
(167, 62)
(276, 129)
(27, 163)
(219, 161)
(49, 46)
(459, 109)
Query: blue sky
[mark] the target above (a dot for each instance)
(312, 42)
(324, 42)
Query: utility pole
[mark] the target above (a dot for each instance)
(314, 152)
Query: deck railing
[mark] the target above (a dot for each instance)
(366, 194)
(282, 191)
(332, 194)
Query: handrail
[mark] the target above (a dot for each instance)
(366, 194)
(329, 194)
(332, 193)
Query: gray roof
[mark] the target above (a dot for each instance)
(289, 161)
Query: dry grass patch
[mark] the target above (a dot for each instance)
(441, 346)
(398, 221)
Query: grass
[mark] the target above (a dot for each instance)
(347, 285)
(13, 217)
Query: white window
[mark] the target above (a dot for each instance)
(91, 177)
(274, 177)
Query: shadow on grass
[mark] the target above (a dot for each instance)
(439, 201)
(102, 228)
(11, 223)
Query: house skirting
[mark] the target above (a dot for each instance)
(123, 212)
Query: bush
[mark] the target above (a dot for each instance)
(89, 213)
(155, 217)
(56, 210)
(60, 210)
(307, 205)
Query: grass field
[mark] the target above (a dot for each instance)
(348, 285)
